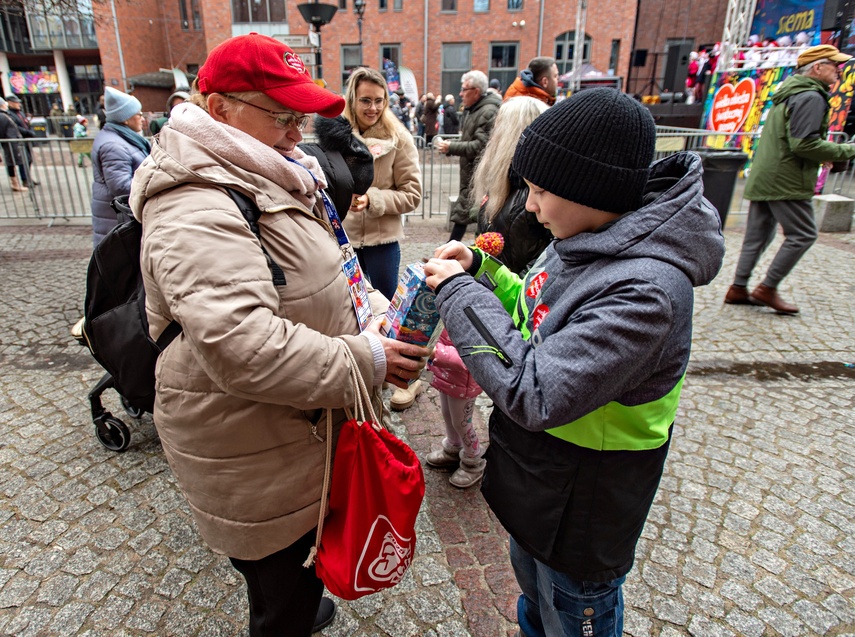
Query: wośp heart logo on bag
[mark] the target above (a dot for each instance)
(387, 555)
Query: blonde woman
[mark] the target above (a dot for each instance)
(373, 223)
(502, 192)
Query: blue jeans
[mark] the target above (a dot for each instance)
(553, 604)
(380, 264)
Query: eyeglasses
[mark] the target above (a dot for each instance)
(281, 119)
(831, 62)
(468, 88)
(367, 102)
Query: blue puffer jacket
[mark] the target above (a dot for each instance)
(113, 164)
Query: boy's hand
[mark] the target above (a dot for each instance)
(455, 250)
(438, 270)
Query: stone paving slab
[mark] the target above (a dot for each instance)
(751, 532)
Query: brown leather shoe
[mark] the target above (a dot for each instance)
(767, 296)
(738, 295)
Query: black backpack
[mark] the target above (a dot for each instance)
(115, 326)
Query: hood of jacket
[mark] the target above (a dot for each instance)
(196, 149)
(336, 134)
(798, 84)
(675, 225)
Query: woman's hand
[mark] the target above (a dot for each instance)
(359, 203)
(442, 146)
(404, 361)
(438, 270)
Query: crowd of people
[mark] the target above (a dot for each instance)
(756, 53)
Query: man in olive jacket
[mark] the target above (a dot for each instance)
(783, 176)
(479, 111)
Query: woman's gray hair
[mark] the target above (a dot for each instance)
(476, 79)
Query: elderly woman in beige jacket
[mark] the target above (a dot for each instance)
(374, 220)
(243, 391)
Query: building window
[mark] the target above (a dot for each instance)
(255, 11)
(564, 45)
(398, 5)
(515, 5)
(197, 15)
(182, 11)
(390, 53)
(504, 62)
(342, 4)
(351, 58)
(449, 5)
(614, 57)
(456, 60)
(384, 4)
(482, 6)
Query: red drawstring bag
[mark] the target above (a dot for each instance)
(368, 540)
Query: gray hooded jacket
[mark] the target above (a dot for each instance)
(603, 325)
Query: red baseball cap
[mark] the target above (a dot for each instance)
(256, 62)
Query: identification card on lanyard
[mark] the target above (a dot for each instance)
(358, 292)
(351, 268)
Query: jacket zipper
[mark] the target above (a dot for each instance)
(485, 334)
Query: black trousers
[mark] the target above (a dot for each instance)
(283, 595)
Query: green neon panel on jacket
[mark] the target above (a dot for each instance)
(612, 427)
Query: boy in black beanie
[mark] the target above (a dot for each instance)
(584, 359)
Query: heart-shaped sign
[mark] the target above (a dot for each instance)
(730, 106)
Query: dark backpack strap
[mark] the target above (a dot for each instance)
(252, 214)
(168, 335)
(122, 208)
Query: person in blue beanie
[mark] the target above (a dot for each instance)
(584, 358)
(119, 148)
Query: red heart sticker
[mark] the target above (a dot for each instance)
(538, 315)
(730, 106)
(536, 285)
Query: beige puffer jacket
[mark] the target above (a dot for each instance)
(241, 392)
(396, 189)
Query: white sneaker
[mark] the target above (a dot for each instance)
(404, 398)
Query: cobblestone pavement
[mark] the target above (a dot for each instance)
(751, 533)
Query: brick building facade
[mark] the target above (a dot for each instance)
(438, 40)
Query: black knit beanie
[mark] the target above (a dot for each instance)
(594, 149)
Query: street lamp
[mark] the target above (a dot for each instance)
(317, 14)
(359, 8)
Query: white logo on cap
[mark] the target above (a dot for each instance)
(293, 60)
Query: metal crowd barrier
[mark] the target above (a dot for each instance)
(65, 190)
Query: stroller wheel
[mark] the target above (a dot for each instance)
(113, 433)
(133, 412)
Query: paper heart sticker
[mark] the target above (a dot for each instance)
(731, 105)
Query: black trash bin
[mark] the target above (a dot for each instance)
(720, 170)
(39, 126)
(66, 127)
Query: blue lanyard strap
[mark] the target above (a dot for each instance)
(332, 215)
